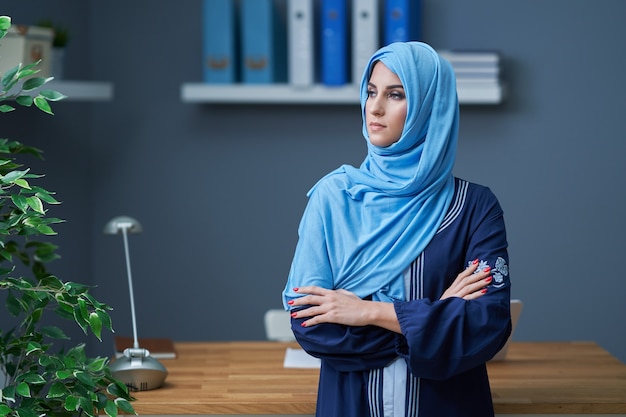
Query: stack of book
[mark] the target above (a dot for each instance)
(300, 42)
(478, 73)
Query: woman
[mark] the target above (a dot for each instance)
(399, 282)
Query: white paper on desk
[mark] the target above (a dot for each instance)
(298, 358)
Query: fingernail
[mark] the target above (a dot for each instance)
(290, 302)
(487, 269)
(294, 315)
(296, 289)
(303, 324)
(488, 279)
(484, 290)
(475, 261)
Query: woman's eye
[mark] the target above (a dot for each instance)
(396, 95)
(371, 93)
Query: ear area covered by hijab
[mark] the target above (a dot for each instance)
(376, 219)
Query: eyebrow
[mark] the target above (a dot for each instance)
(389, 87)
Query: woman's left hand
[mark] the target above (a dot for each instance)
(329, 306)
(342, 307)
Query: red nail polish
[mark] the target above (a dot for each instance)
(487, 269)
(290, 302)
(475, 261)
(484, 290)
(488, 279)
(294, 315)
(296, 289)
(303, 324)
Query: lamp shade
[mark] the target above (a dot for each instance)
(116, 224)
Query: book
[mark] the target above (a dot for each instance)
(333, 42)
(402, 21)
(219, 38)
(365, 35)
(159, 348)
(301, 43)
(263, 43)
(471, 58)
(474, 66)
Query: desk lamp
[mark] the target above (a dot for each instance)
(136, 368)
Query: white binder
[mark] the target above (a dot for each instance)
(301, 42)
(365, 35)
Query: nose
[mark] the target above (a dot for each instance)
(374, 106)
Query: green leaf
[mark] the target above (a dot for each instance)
(86, 406)
(5, 22)
(125, 406)
(118, 389)
(14, 305)
(27, 71)
(45, 230)
(5, 108)
(34, 82)
(32, 347)
(111, 409)
(52, 95)
(98, 365)
(57, 390)
(43, 105)
(5, 409)
(13, 175)
(49, 281)
(25, 412)
(45, 196)
(8, 393)
(34, 379)
(71, 403)
(64, 374)
(105, 319)
(20, 202)
(85, 378)
(22, 183)
(23, 389)
(96, 324)
(53, 332)
(24, 100)
(36, 204)
(10, 77)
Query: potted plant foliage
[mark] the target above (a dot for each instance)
(60, 39)
(41, 378)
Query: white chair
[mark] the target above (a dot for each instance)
(516, 311)
(278, 325)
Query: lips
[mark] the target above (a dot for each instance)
(375, 126)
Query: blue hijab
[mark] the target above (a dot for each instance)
(363, 227)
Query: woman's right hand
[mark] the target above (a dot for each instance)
(469, 284)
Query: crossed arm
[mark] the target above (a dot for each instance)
(343, 307)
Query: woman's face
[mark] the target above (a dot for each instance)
(385, 108)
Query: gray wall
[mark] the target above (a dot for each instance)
(219, 189)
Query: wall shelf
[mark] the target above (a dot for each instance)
(474, 93)
(82, 90)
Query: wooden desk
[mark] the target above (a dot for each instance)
(248, 378)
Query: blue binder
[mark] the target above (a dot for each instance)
(334, 42)
(263, 43)
(402, 21)
(365, 35)
(301, 43)
(219, 31)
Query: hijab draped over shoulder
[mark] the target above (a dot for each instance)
(363, 227)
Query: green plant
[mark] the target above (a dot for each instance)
(42, 378)
(61, 35)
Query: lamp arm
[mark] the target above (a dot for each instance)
(130, 287)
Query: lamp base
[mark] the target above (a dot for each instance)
(138, 370)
